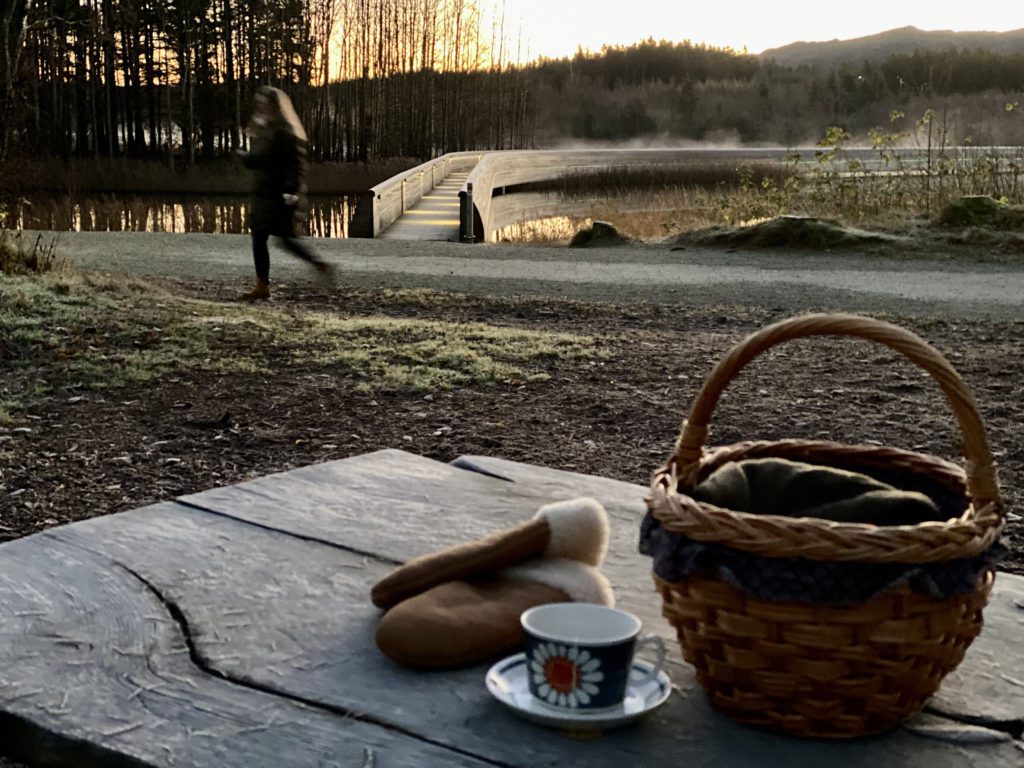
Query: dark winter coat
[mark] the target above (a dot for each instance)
(278, 160)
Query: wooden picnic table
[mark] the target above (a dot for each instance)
(234, 628)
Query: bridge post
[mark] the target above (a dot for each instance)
(467, 215)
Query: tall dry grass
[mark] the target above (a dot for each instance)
(24, 255)
(905, 178)
(625, 180)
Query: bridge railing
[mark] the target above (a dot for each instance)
(382, 205)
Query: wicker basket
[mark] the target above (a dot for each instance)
(822, 670)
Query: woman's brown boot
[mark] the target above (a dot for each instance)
(260, 293)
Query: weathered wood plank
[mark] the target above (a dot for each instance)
(95, 671)
(425, 504)
(397, 505)
(988, 687)
(292, 616)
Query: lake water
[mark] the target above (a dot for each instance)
(328, 216)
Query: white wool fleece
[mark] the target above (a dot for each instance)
(582, 583)
(579, 530)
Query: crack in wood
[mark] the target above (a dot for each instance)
(469, 466)
(202, 664)
(1014, 727)
(286, 532)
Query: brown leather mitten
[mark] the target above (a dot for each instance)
(462, 623)
(575, 529)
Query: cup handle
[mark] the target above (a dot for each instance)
(658, 645)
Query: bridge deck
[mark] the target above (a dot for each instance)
(435, 217)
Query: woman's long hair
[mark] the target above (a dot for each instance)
(282, 113)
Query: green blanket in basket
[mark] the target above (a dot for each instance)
(794, 489)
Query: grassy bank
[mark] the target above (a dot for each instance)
(65, 331)
(891, 195)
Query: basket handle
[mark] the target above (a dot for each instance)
(981, 474)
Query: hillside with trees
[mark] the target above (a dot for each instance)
(659, 93)
(857, 50)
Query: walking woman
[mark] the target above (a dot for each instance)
(277, 156)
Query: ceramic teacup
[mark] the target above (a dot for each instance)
(580, 655)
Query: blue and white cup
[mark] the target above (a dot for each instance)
(579, 656)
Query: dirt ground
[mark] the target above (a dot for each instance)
(79, 453)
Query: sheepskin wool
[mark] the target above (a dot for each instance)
(579, 582)
(578, 530)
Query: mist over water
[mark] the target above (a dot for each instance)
(725, 140)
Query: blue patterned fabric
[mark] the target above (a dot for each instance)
(809, 581)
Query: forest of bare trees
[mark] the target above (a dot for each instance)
(374, 79)
(175, 78)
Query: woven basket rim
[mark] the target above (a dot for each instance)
(977, 529)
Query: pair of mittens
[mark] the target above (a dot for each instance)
(795, 489)
(461, 605)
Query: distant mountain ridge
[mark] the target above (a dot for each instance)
(902, 40)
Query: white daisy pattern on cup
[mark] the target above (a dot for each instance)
(565, 675)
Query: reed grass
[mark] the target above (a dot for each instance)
(21, 254)
(623, 180)
(898, 189)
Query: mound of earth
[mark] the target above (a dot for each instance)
(994, 241)
(788, 232)
(600, 234)
(982, 211)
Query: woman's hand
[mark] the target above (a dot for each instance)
(290, 199)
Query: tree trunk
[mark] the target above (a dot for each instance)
(229, 74)
(13, 30)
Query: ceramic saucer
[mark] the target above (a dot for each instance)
(507, 682)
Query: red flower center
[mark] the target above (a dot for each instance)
(561, 673)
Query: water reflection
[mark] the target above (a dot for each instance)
(553, 230)
(328, 216)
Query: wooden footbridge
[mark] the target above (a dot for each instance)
(422, 203)
(472, 196)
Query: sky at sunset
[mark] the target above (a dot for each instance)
(556, 28)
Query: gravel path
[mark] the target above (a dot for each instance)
(793, 281)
